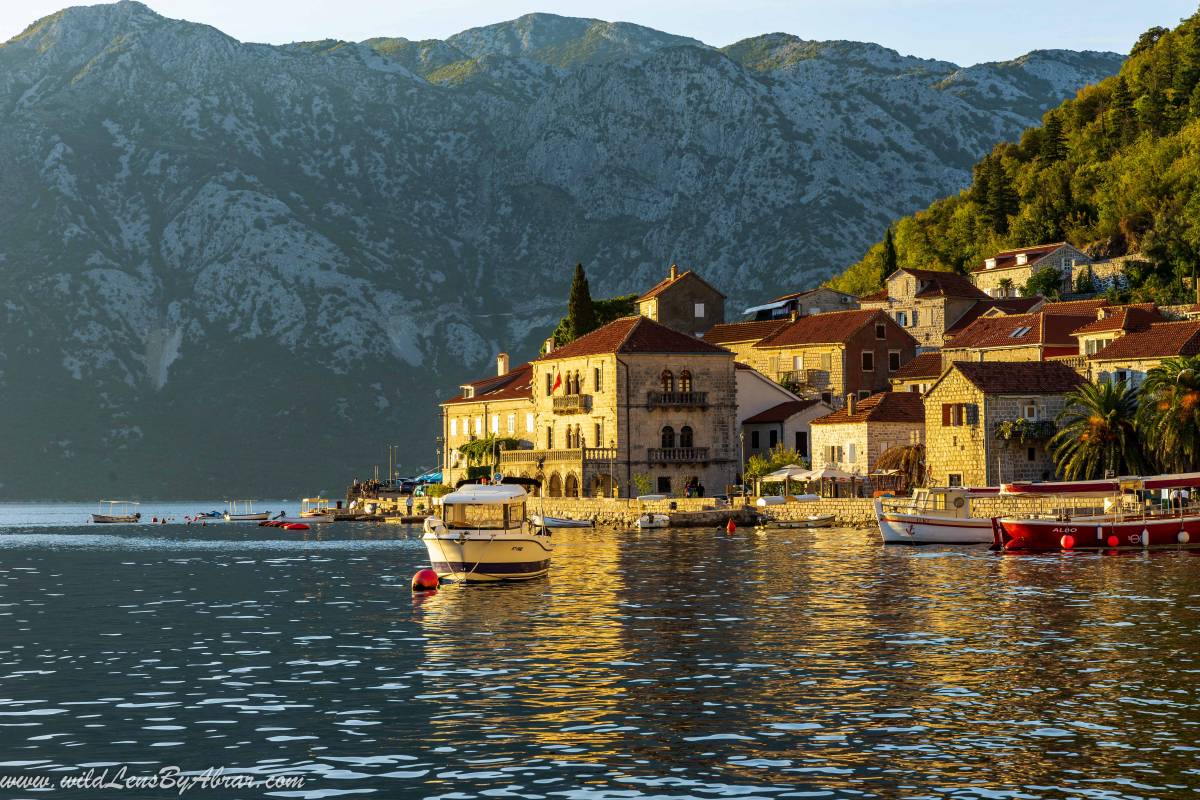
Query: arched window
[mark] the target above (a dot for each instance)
(668, 437)
(685, 436)
(579, 437)
(572, 486)
(668, 381)
(685, 381)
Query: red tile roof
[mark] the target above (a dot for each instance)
(1019, 377)
(780, 413)
(668, 282)
(831, 328)
(1034, 329)
(1122, 318)
(633, 335)
(1009, 305)
(1159, 340)
(925, 365)
(743, 331)
(939, 283)
(874, 297)
(512, 385)
(1006, 259)
(881, 407)
(1087, 307)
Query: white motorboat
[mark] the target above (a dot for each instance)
(647, 521)
(483, 535)
(243, 511)
(937, 515)
(560, 522)
(117, 512)
(314, 509)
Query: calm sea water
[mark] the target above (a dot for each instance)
(776, 664)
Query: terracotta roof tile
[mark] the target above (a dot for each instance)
(668, 282)
(633, 335)
(925, 365)
(1159, 340)
(1019, 377)
(1033, 329)
(781, 412)
(1122, 318)
(830, 328)
(1088, 307)
(874, 297)
(881, 407)
(743, 331)
(1007, 259)
(945, 284)
(1009, 305)
(512, 385)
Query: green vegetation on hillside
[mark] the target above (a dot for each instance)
(1114, 170)
(584, 314)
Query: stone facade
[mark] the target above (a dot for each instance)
(854, 447)
(684, 302)
(921, 307)
(1005, 273)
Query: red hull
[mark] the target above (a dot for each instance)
(1045, 534)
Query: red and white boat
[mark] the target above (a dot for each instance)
(937, 515)
(1129, 517)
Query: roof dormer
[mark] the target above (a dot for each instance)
(1022, 259)
(990, 263)
(468, 391)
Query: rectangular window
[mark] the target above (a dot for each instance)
(851, 453)
(699, 310)
(598, 378)
(599, 428)
(549, 385)
(664, 484)
(797, 363)
(954, 479)
(479, 426)
(1031, 454)
(773, 438)
(511, 424)
(1029, 410)
(893, 360)
(754, 441)
(868, 361)
(826, 361)
(914, 318)
(454, 427)
(972, 414)
(529, 423)
(802, 443)
(880, 330)
(495, 423)
(549, 437)
(902, 318)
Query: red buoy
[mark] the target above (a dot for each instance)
(1067, 541)
(1113, 541)
(295, 526)
(425, 580)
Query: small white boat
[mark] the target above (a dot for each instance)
(243, 511)
(647, 521)
(811, 521)
(483, 535)
(117, 512)
(937, 515)
(315, 509)
(560, 522)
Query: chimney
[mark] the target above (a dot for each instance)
(674, 271)
(851, 403)
(502, 364)
(548, 345)
(795, 315)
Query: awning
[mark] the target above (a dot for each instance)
(767, 307)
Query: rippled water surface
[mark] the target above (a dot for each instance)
(661, 664)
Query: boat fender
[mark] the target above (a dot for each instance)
(1067, 541)
(1113, 541)
(1145, 537)
(426, 580)
(1182, 537)
(730, 526)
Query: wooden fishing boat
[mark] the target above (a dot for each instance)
(243, 511)
(117, 512)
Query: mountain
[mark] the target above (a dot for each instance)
(1115, 170)
(246, 269)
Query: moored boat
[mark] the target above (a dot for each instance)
(1129, 517)
(811, 521)
(649, 521)
(935, 515)
(118, 512)
(483, 535)
(243, 511)
(560, 522)
(314, 509)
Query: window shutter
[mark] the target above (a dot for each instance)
(972, 414)
(945, 415)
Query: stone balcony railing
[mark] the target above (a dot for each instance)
(1075, 362)
(677, 399)
(574, 455)
(573, 404)
(677, 455)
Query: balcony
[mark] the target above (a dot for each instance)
(677, 399)
(573, 404)
(677, 455)
(1077, 362)
(574, 455)
(817, 378)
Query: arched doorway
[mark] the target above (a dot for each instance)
(572, 486)
(601, 486)
(556, 486)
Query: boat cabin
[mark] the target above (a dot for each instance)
(479, 507)
(945, 501)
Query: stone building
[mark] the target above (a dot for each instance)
(788, 424)
(500, 406)
(1016, 337)
(925, 302)
(992, 308)
(828, 356)
(1113, 322)
(683, 301)
(919, 374)
(801, 304)
(1003, 274)
(740, 337)
(1129, 357)
(965, 411)
(854, 437)
(633, 398)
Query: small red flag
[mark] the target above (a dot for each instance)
(557, 383)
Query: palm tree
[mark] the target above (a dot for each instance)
(909, 462)
(1097, 433)
(1169, 415)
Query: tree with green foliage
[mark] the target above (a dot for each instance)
(759, 465)
(1045, 283)
(581, 315)
(1083, 282)
(1054, 144)
(889, 262)
(1000, 200)
(605, 311)
(1122, 118)
(1147, 40)
(1168, 417)
(1097, 433)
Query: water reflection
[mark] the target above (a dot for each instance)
(666, 663)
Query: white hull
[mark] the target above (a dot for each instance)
(468, 556)
(923, 529)
(815, 521)
(648, 521)
(116, 519)
(312, 519)
(256, 517)
(560, 522)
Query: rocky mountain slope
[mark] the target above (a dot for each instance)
(241, 268)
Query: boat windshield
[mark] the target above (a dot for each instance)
(487, 517)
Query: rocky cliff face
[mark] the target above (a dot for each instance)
(243, 268)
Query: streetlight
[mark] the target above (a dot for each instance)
(742, 463)
(612, 457)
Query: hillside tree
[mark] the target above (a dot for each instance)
(581, 314)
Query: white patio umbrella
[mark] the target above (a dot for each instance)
(792, 472)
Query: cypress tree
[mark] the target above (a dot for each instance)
(889, 263)
(581, 315)
(1054, 143)
(1124, 121)
(1002, 200)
